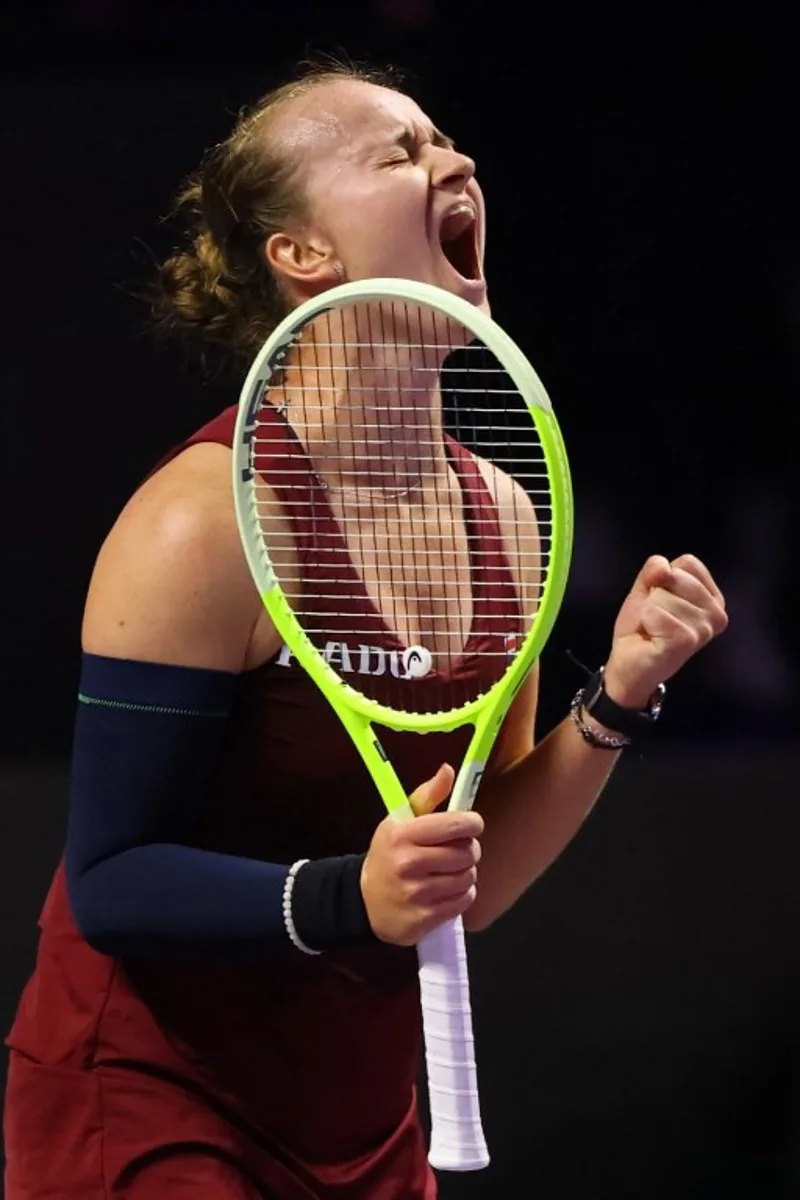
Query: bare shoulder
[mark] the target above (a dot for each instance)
(513, 502)
(520, 528)
(171, 583)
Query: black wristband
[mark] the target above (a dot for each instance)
(630, 722)
(328, 908)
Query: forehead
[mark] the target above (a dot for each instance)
(345, 115)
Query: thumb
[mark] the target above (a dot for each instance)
(656, 572)
(430, 794)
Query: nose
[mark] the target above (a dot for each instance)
(452, 169)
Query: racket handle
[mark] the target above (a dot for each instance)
(457, 1141)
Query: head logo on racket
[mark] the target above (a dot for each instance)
(417, 662)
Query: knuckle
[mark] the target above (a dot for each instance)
(467, 825)
(404, 863)
(411, 891)
(688, 637)
(459, 826)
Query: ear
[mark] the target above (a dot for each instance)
(309, 263)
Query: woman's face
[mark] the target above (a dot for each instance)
(386, 192)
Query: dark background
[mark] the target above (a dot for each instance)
(638, 1014)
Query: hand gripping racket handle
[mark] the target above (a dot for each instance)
(457, 1141)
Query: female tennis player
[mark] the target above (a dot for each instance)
(207, 1018)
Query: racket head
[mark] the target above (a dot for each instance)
(315, 387)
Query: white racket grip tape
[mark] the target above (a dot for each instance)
(457, 1141)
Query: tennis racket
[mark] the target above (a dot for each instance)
(403, 498)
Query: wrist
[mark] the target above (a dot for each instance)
(613, 725)
(594, 732)
(595, 726)
(328, 907)
(629, 695)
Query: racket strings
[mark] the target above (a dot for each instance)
(407, 562)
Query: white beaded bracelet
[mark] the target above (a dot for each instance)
(288, 888)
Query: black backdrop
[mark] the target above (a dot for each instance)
(638, 1013)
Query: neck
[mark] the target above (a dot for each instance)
(369, 415)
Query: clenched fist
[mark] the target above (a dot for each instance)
(672, 611)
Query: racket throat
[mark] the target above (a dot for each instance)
(465, 788)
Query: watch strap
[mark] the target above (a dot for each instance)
(631, 722)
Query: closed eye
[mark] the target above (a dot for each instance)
(411, 140)
(396, 159)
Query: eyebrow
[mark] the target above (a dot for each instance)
(408, 136)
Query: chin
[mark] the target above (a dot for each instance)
(484, 304)
(475, 292)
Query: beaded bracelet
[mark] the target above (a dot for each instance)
(595, 737)
(288, 888)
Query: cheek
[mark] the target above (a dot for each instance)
(377, 222)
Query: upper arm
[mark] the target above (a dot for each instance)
(171, 583)
(516, 737)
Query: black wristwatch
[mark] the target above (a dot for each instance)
(628, 721)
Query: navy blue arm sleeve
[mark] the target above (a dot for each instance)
(146, 742)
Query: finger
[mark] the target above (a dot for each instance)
(446, 910)
(656, 572)
(456, 907)
(705, 614)
(435, 829)
(433, 792)
(694, 589)
(421, 861)
(446, 887)
(693, 566)
(675, 620)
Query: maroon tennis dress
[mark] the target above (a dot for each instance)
(294, 1078)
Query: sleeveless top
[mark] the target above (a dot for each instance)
(317, 1057)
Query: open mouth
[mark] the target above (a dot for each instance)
(458, 237)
